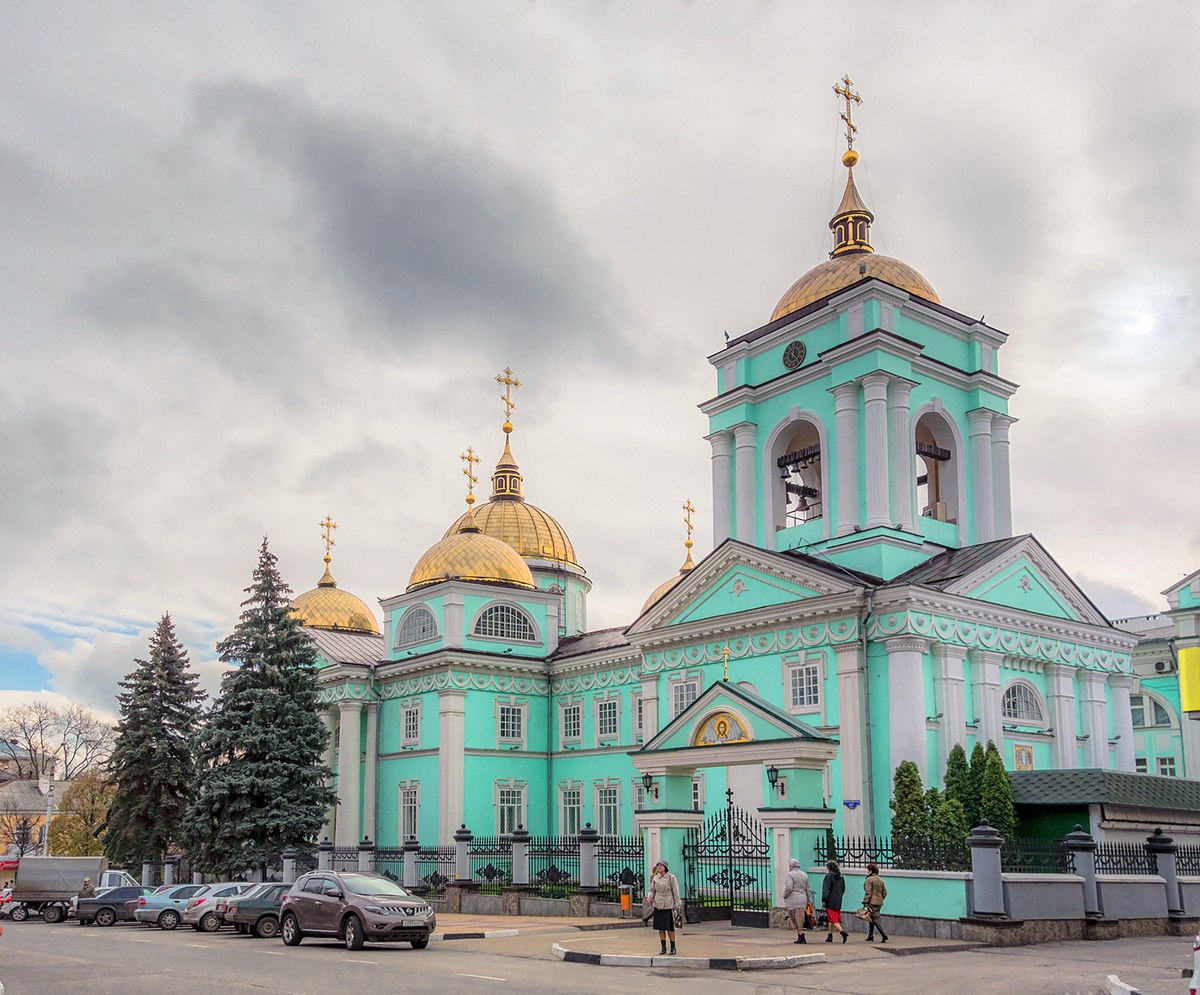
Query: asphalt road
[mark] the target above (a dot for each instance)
(38, 959)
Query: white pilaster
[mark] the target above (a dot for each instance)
(346, 828)
(948, 699)
(452, 749)
(1001, 476)
(875, 389)
(1093, 708)
(649, 707)
(902, 490)
(747, 494)
(1119, 686)
(852, 738)
(985, 692)
(329, 717)
(906, 701)
(370, 762)
(845, 399)
(1060, 694)
(722, 483)
(979, 424)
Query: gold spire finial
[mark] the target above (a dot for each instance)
(469, 459)
(688, 511)
(846, 91)
(327, 527)
(509, 381)
(725, 662)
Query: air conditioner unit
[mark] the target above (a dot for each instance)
(1162, 666)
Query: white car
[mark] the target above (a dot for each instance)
(204, 909)
(1195, 966)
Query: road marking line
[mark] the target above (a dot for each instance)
(355, 960)
(482, 977)
(273, 953)
(202, 946)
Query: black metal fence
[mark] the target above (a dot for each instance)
(621, 861)
(1124, 858)
(389, 861)
(553, 865)
(345, 858)
(491, 863)
(1187, 860)
(1028, 856)
(1017, 856)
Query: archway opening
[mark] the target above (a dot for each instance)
(937, 461)
(799, 496)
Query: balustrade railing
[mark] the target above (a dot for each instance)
(1124, 858)
(491, 863)
(553, 865)
(621, 861)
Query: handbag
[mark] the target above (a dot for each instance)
(864, 914)
(810, 917)
(677, 917)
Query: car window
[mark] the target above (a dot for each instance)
(314, 885)
(372, 884)
(187, 891)
(277, 892)
(231, 890)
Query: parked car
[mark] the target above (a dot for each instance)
(110, 906)
(355, 908)
(164, 908)
(202, 912)
(257, 910)
(5, 902)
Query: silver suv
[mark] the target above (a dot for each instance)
(355, 908)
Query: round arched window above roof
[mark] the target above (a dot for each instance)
(505, 622)
(417, 626)
(1021, 703)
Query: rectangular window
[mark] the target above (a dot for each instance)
(1140, 765)
(1137, 705)
(683, 694)
(572, 812)
(637, 716)
(606, 718)
(608, 810)
(411, 725)
(1166, 766)
(510, 810)
(512, 724)
(572, 723)
(410, 807)
(805, 680)
(697, 795)
(639, 795)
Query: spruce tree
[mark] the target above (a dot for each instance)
(950, 832)
(958, 784)
(152, 767)
(978, 761)
(910, 814)
(262, 783)
(996, 797)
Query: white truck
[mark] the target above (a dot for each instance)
(45, 885)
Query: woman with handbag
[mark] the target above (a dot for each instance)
(833, 888)
(662, 896)
(796, 898)
(874, 892)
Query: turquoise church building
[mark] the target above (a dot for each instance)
(866, 602)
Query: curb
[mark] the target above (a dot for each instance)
(915, 951)
(1115, 986)
(696, 963)
(486, 934)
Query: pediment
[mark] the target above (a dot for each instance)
(734, 578)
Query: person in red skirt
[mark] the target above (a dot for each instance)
(833, 888)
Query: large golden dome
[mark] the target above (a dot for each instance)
(327, 607)
(843, 271)
(468, 554)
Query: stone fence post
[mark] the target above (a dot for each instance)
(1162, 850)
(1082, 848)
(462, 854)
(289, 865)
(325, 855)
(411, 849)
(988, 885)
(589, 869)
(170, 865)
(366, 855)
(520, 857)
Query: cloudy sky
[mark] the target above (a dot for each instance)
(261, 262)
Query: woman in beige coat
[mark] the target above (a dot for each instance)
(662, 895)
(874, 892)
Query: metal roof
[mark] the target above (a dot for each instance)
(589, 642)
(347, 647)
(1095, 787)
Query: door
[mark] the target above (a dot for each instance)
(727, 868)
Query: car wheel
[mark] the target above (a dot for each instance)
(20, 914)
(53, 913)
(168, 920)
(421, 944)
(210, 922)
(353, 931)
(105, 917)
(289, 929)
(266, 927)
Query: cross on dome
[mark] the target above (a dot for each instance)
(469, 460)
(509, 381)
(327, 527)
(846, 91)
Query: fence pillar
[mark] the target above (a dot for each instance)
(589, 868)
(1162, 849)
(147, 873)
(987, 882)
(366, 855)
(325, 855)
(289, 865)
(1082, 848)
(411, 849)
(520, 857)
(462, 854)
(170, 863)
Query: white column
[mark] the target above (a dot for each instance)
(370, 763)
(948, 699)
(349, 748)
(722, 483)
(747, 493)
(845, 399)
(852, 738)
(1001, 477)
(906, 701)
(985, 691)
(1060, 694)
(1120, 685)
(979, 424)
(902, 489)
(329, 717)
(649, 707)
(1093, 708)
(452, 747)
(875, 386)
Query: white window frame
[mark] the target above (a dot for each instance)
(1141, 765)
(414, 610)
(402, 788)
(605, 738)
(636, 716)
(1033, 694)
(813, 663)
(698, 799)
(677, 684)
(522, 707)
(565, 706)
(637, 794)
(606, 801)
(1149, 700)
(407, 709)
(1163, 762)
(502, 798)
(519, 612)
(565, 827)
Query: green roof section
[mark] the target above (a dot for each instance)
(1098, 787)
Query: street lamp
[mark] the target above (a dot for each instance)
(649, 785)
(773, 780)
(49, 815)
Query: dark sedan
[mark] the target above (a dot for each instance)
(113, 905)
(257, 910)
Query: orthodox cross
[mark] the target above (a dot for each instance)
(469, 459)
(509, 381)
(688, 511)
(850, 96)
(327, 528)
(725, 662)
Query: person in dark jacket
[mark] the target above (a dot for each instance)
(833, 888)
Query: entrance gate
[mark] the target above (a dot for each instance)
(727, 867)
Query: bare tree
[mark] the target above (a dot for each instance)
(44, 740)
(18, 831)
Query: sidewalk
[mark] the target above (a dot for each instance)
(452, 926)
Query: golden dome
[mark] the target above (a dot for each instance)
(326, 607)
(843, 271)
(467, 554)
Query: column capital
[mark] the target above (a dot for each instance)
(907, 644)
(845, 395)
(744, 434)
(979, 421)
(350, 705)
(1000, 426)
(721, 442)
(875, 385)
(988, 657)
(949, 651)
(1091, 678)
(899, 392)
(1125, 681)
(846, 649)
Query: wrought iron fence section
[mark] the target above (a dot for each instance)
(621, 861)
(727, 866)
(435, 869)
(344, 858)
(553, 865)
(389, 861)
(913, 855)
(1124, 858)
(491, 863)
(1029, 856)
(1187, 860)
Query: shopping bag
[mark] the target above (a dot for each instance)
(810, 917)
(864, 914)
(678, 918)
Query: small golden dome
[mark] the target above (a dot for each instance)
(326, 607)
(468, 554)
(844, 271)
(688, 564)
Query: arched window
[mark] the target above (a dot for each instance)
(798, 465)
(418, 626)
(1148, 713)
(1021, 703)
(505, 622)
(937, 468)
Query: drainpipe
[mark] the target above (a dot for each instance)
(868, 605)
